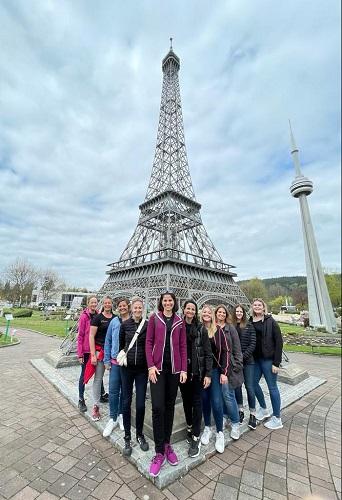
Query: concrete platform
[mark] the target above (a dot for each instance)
(66, 381)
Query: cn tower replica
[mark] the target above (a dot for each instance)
(320, 309)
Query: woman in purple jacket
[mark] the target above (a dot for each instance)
(167, 366)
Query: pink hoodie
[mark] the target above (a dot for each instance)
(83, 333)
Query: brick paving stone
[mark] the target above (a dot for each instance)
(179, 490)
(320, 472)
(77, 493)
(276, 469)
(62, 485)
(13, 486)
(105, 490)
(298, 488)
(196, 474)
(323, 493)
(97, 474)
(223, 492)
(274, 483)
(252, 479)
(65, 464)
(272, 495)
(125, 493)
(252, 492)
(297, 477)
(324, 484)
(47, 496)
(254, 465)
(39, 484)
(51, 475)
(128, 473)
(229, 480)
(188, 482)
(27, 493)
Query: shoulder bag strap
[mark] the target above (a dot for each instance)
(132, 342)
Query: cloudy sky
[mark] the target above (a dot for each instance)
(80, 85)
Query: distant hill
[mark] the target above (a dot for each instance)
(288, 282)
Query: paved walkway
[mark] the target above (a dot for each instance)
(48, 451)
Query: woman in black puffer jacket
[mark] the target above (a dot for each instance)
(134, 372)
(247, 337)
(199, 365)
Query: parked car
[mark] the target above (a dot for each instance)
(47, 306)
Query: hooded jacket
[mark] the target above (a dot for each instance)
(155, 343)
(83, 333)
(272, 340)
(235, 370)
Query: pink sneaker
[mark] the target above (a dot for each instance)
(96, 413)
(156, 464)
(171, 456)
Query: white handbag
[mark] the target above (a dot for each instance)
(121, 358)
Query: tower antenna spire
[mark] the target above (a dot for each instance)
(295, 152)
(171, 42)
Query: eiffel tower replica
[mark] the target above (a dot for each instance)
(170, 248)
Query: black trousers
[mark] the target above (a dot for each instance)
(128, 377)
(192, 403)
(163, 396)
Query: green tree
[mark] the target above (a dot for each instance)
(333, 282)
(275, 304)
(254, 288)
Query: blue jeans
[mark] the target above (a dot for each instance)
(129, 376)
(212, 399)
(230, 404)
(115, 400)
(248, 373)
(264, 367)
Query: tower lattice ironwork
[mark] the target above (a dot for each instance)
(170, 248)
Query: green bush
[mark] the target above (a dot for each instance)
(19, 312)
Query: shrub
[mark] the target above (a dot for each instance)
(19, 313)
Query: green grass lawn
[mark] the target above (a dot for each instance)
(335, 351)
(299, 330)
(7, 341)
(38, 323)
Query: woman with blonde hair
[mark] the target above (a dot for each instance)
(212, 395)
(246, 332)
(267, 356)
(83, 348)
(234, 375)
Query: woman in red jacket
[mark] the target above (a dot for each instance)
(167, 366)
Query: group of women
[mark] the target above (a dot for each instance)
(208, 357)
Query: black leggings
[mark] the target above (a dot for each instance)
(163, 395)
(192, 403)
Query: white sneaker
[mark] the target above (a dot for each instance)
(262, 413)
(206, 435)
(274, 423)
(120, 422)
(235, 432)
(111, 424)
(219, 443)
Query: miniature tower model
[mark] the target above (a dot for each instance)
(170, 248)
(320, 309)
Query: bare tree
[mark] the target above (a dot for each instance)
(22, 278)
(51, 283)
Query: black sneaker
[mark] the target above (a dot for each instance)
(252, 422)
(241, 416)
(104, 398)
(142, 443)
(195, 447)
(82, 406)
(189, 435)
(127, 451)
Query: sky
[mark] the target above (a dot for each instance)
(80, 88)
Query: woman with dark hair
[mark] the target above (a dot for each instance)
(111, 350)
(166, 361)
(234, 373)
(199, 365)
(134, 373)
(246, 332)
(267, 355)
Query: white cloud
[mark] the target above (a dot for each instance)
(80, 91)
